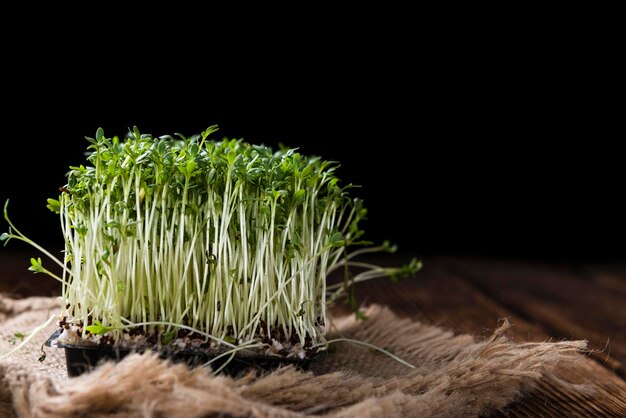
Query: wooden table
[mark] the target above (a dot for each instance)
(544, 301)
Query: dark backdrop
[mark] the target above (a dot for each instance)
(440, 175)
(458, 150)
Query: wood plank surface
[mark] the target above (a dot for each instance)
(543, 301)
(451, 293)
(567, 302)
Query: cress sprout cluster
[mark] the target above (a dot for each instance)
(231, 241)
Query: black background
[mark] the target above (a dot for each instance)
(461, 148)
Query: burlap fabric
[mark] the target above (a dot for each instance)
(456, 375)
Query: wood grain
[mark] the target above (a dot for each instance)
(566, 302)
(443, 294)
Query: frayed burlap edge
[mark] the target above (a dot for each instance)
(454, 376)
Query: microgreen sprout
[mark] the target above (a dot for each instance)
(18, 336)
(229, 240)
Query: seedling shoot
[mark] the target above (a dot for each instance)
(215, 244)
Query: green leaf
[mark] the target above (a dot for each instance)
(360, 315)
(301, 312)
(17, 336)
(5, 236)
(231, 156)
(54, 205)
(97, 328)
(306, 171)
(298, 196)
(35, 265)
(208, 131)
(230, 339)
(99, 134)
(337, 240)
(332, 185)
(405, 271)
(193, 149)
(111, 165)
(191, 165)
(295, 238)
(389, 247)
(167, 337)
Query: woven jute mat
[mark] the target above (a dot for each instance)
(455, 375)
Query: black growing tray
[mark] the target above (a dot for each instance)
(84, 358)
